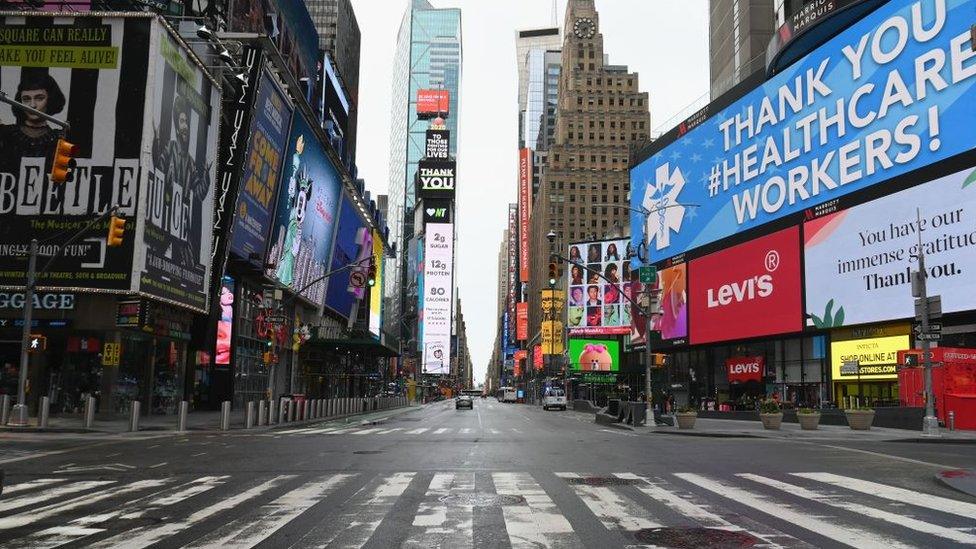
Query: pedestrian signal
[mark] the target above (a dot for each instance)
(116, 230)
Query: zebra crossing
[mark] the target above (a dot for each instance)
(522, 509)
(368, 430)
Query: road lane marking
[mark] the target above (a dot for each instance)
(442, 524)
(893, 493)
(872, 512)
(539, 523)
(253, 528)
(158, 465)
(48, 495)
(31, 485)
(824, 526)
(494, 431)
(388, 431)
(440, 431)
(465, 431)
(615, 511)
(418, 431)
(870, 453)
(148, 535)
(366, 431)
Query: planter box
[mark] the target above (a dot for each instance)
(771, 421)
(686, 421)
(860, 420)
(808, 422)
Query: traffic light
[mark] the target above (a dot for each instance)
(116, 230)
(371, 275)
(64, 153)
(552, 274)
(659, 360)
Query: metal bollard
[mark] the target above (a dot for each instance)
(4, 409)
(89, 419)
(292, 410)
(262, 418)
(951, 420)
(249, 415)
(45, 414)
(308, 409)
(134, 409)
(181, 418)
(225, 415)
(330, 407)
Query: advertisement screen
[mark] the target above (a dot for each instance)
(525, 211)
(225, 326)
(749, 290)
(512, 268)
(743, 369)
(262, 171)
(102, 96)
(522, 321)
(177, 241)
(673, 320)
(437, 145)
(597, 273)
(594, 355)
(433, 102)
(353, 244)
(859, 261)
(436, 178)
(289, 26)
(875, 358)
(551, 328)
(301, 238)
(438, 297)
(887, 95)
(376, 292)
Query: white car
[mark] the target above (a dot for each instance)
(554, 398)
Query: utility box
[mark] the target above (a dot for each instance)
(953, 383)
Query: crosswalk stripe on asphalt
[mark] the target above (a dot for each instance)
(459, 508)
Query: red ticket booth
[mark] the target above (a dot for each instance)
(953, 383)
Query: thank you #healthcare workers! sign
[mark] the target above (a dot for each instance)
(888, 95)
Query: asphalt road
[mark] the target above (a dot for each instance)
(501, 475)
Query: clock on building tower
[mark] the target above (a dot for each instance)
(584, 27)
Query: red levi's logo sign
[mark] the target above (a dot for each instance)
(749, 290)
(741, 369)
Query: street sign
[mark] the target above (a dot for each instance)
(648, 274)
(276, 319)
(111, 353)
(357, 279)
(935, 307)
(930, 337)
(934, 328)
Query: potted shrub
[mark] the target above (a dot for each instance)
(686, 417)
(770, 414)
(809, 419)
(860, 418)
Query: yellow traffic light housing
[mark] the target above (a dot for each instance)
(116, 230)
(64, 153)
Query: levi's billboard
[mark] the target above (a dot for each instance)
(748, 290)
(888, 95)
(742, 369)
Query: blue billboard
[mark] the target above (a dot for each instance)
(888, 95)
(301, 239)
(353, 243)
(262, 171)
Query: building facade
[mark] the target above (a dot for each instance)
(738, 33)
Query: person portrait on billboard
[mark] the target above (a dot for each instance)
(593, 253)
(577, 275)
(612, 253)
(593, 316)
(224, 325)
(574, 255)
(576, 296)
(299, 191)
(611, 315)
(626, 275)
(610, 273)
(593, 296)
(593, 273)
(611, 293)
(575, 316)
(30, 135)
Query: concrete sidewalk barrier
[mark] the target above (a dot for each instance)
(181, 416)
(45, 412)
(89, 420)
(4, 409)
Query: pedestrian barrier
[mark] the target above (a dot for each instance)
(45, 412)
(249, 415)
(308, 408)
(89, 419)
(134, 410)
(181, 418)
(225, 415)
(262, 418)
(4, 409)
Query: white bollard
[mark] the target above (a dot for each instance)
(45, 414)
(225, 415)
(134, 411)
(4, 409)
(308, 410)
(181, 419)
(89, 420)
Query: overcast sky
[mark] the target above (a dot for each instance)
(664, 41)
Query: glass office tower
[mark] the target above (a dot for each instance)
(428, 56)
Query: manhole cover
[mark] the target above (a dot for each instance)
(602, 481)
(680, 538)
(482, 500)
(368, 452)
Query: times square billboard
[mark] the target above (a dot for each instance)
(886, 96)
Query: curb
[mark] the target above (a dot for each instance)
(920, 440)
(705, 434)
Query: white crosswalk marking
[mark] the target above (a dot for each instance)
(442, 523)
(537, 524)
(388, 431)
(494, 431)
(145, 536)
(7, 491)
(419, 431)
(873, 512)
(615, 511)
(367, 431)
(255, 527)
(465, 431)
(47, 495)
(824, 526)
(892, 493)
(440, 431)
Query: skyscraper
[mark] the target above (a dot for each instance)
(601, 117)
(738, 33)
(428, 56)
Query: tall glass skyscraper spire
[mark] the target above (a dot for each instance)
(428, 56)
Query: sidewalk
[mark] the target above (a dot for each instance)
(731, 428)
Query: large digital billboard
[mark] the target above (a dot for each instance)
(97, 82)
(438, 297)
(867, 359)
(594, 355)
(749, 290)
(301, 238)
(376, 292)
(597, 272)
(525, 211)
(672, 323)
(353, 244)
(174, 257)
(888, 95)
(859, 261)
(262, 171)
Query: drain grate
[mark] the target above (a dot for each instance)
(603, 481)
(368, 452)
(682, 538)
(478, 499)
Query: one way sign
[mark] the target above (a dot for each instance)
(934, 328)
